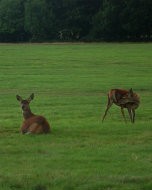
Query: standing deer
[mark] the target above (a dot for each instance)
(124, 99)
(32, 123)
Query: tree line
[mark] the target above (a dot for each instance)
(75, 20)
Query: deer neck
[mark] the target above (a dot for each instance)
(27, 114)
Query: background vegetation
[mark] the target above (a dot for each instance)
(70, 82)
(75, 20)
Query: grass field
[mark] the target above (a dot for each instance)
(70, 82)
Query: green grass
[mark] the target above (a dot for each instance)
(70, 82)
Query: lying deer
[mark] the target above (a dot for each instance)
(32, 123)
(124, 99)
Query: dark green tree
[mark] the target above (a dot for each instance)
(137, 19)
(108, 21)
(123, 20)
(12, 21)
(74, 18)
(39, 20)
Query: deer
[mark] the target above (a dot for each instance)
(32, 124)
(124, 99)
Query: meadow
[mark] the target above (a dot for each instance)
(70, 83)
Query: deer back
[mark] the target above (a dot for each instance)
(115, 95)
(122, 98)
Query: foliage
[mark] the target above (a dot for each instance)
(75, 20)
(108, 22)
(124, 20)
(137, 20)
(12, 20)
(39, 20)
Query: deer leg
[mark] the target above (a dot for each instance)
(35, 128)
(108, 107)
(130, 114)
(133, 115)
(123, 114)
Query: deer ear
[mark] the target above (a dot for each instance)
(131, 92)
(31, 97)
(19, 98)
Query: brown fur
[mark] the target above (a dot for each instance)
(124, 99)
(32, 123)
(35, 124)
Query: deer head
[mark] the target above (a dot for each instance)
(25, 103)
(130, 93)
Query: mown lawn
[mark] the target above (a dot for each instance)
(70, 83)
